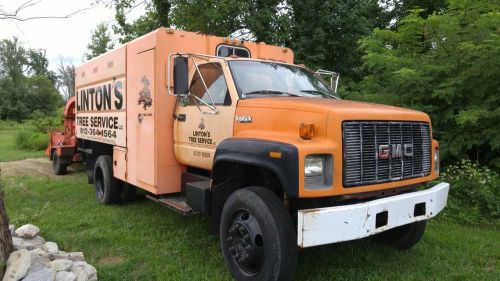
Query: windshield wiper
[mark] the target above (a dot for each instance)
(320, 92)
(270, 92)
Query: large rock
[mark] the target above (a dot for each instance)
(37, 263)
(27, 231)
(61, 265)
(29, 244)
(47, 274)
(17, 265)
(84, 271)
(51, 247)
(65, 276)
(38, 251)
(76, 256)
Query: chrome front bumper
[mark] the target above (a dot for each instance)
(343, 223)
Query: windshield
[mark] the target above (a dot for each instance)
(270, 78)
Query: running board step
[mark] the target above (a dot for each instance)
(176, 203)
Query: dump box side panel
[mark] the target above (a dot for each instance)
(101, 99)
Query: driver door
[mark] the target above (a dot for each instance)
(198, 129)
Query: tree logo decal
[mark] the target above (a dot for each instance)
(145, 94)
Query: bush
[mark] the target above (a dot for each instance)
(8, 124)
(474, 193)
(29, 140)
(42, 123)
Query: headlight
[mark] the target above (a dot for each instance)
(436, 161)
(313, 165)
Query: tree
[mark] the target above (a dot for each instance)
(6, 245)
(446, 65)
(100, 42)
(157, 15)
(66, 78)
(26, 85)
(325, 34)
(12, 59)
(39, 64)
(263, 20)
(402, 8)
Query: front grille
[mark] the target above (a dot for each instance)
(361, 144)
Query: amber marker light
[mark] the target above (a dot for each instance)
(306, 131)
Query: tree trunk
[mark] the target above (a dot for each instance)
(6, 246)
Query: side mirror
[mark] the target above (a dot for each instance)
(181, 84)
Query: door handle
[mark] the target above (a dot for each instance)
(181, 117)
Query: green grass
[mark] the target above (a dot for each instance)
(146, 241)
(8, 150)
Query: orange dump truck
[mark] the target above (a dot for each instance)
(236, 131)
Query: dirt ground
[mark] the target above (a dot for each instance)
(31, 167)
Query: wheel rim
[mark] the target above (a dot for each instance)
(99, 185)
(245, 243)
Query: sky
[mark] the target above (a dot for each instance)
(60, 37)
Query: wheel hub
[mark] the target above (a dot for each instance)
(245, 242)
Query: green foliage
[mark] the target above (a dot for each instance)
(8, 124)
(446, 65)
(42, 123)
(100, 42)
(428, 7)
(157, 15)
(8, 148)
(33, 141)
(325, 34)
(39, 64)
(266, 21)
(12, 59)
(474, 193)
(26, 85)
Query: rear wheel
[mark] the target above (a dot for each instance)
(403, 237)
(257, 236)
(107, 187)
(57, 167)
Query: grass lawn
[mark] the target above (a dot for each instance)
(146, 241)
(8, 150)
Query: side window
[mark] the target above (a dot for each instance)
(226, 51)
(216, 83)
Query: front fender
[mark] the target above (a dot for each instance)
(280, 158)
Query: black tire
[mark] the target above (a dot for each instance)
(57, 167)
(107, 187)
(269, 252)
(403, 237)
(127, 193)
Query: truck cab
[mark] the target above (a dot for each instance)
(264, 147)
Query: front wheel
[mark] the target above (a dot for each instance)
(403, 237)
(257, 236)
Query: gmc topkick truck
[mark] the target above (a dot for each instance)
(236, 131)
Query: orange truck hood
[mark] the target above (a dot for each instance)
(345, 109)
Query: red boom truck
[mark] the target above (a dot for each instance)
(236, 131)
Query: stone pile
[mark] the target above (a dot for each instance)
(38, 260)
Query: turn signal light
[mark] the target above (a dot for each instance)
(306, 131)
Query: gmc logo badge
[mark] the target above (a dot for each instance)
(386, 151)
